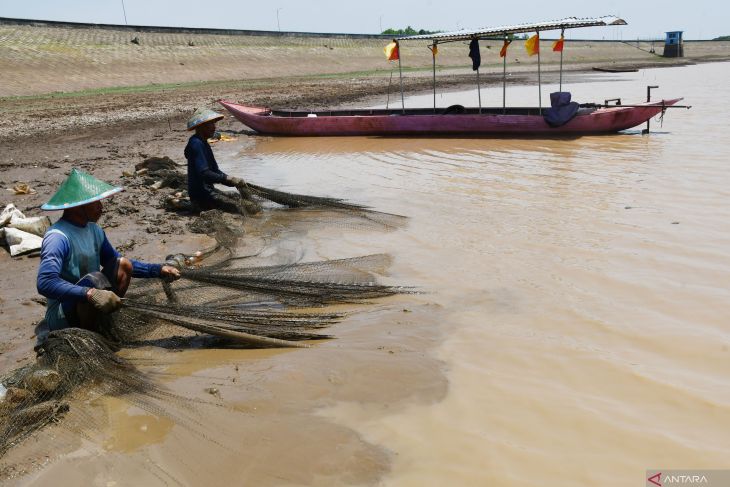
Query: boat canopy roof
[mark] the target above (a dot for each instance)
(492, 32)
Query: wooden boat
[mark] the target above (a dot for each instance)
(592, 119)
(457, 120)
(605, 69)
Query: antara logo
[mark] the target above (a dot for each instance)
(677, 479)
(685, 479)
(656, 479)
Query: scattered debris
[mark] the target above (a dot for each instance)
(37, 225)
(8, 213)
(155, 164)
(22, 235)
(219, 137)
(23, 188)
(21, 242)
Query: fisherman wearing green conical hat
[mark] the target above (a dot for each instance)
(203, 170)
(80, 272)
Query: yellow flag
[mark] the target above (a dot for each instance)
(434, 49)
(391, 51)
(532, 45)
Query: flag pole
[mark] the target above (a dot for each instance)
(400, 73)
(562, 32)
(504, 80)
(539, 81)
(479, 91)
(387, 101)
(433, 53)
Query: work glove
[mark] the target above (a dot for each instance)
(169, 273)
(237, 182)
(105, 301)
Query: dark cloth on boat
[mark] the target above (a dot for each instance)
(474, 54)
(203, 171)
(562, 110)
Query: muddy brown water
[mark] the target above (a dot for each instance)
(573, 326)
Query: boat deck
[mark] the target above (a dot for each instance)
(452, 110)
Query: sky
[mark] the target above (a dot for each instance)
(699, 19)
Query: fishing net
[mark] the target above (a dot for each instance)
(165, 175)
(234, 298)
(293, 200)
(260, 306)
(36, 395)
(74, 368)
(298, 284)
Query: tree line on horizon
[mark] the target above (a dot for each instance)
(410, 31)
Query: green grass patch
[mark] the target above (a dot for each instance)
(119, 90)
(232, 83)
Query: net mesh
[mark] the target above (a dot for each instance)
(220, 294)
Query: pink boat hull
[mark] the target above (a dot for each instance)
(601, 120)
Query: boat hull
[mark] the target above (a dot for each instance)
(377, 122)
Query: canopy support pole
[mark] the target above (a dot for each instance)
(400, 72)
(387, 101)
(504, 80)
(479, 91)
(562, 33)
(433, 53)
(539, 80)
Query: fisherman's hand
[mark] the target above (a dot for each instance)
(105, 301)
(169, 273)
(237, 182)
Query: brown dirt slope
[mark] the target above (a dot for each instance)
(36, 60)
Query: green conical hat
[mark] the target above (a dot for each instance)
(201, 116)
(78, 189)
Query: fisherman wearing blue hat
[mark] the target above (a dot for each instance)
(203, 170)
(80, 272)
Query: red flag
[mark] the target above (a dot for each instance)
(391, 51)
(558, 45)
(503, 51)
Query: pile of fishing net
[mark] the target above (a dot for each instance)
(36, 395)
(276, 305)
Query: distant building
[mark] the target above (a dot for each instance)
(674, 45)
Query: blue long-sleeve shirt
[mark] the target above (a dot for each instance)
(203, 170)
(56, 249)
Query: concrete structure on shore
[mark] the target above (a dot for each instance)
(674, 45)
